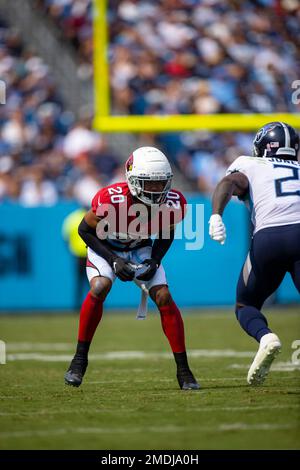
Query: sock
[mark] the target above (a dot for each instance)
(253, 322)
(83, 348)
(172, 326)
(90, 316)
(181, 361)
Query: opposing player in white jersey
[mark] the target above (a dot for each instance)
(269, 182)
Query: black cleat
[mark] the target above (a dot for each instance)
(186, 380)
(76, 371)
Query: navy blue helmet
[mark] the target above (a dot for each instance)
(276, 139)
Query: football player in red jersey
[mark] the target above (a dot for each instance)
(117, 230)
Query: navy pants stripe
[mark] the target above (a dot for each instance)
(274, 251)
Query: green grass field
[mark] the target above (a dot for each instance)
(132, 401)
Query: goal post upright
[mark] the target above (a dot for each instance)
(105, 122)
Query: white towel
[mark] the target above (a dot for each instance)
(143, 306)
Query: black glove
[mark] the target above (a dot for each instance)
(123, 270)
(149, 273)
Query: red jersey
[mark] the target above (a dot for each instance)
(127, 223)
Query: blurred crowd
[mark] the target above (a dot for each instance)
(45, 154)
(74, 21)
(204, 56)
(193, 56)
(166, 57)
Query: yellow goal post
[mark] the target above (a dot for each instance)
(105, 122)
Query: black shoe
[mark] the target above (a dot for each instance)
(76, 371)
(186, 380)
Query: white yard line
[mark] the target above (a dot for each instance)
(254, 427)
(276, 367)
(170, 380)
(133, 410)
(222, 427)
(26, 346)
(125, 355)
(33, 354)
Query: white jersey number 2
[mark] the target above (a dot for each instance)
(278, 182)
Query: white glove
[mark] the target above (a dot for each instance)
(217, 229)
